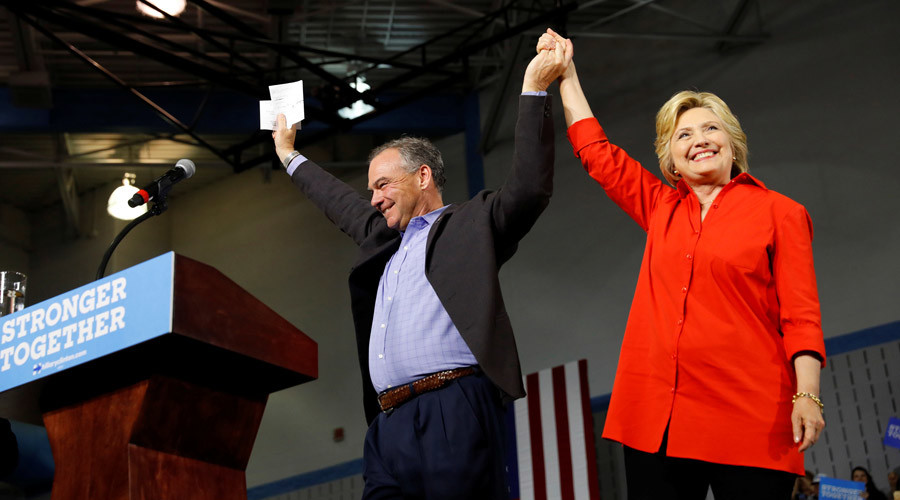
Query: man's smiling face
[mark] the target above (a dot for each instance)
(396, 193)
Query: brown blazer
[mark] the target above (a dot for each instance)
(466, 247)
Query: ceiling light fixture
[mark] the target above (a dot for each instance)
(359, 107)
(118, 201)
(170, 7)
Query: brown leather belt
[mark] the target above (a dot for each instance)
(395, 397)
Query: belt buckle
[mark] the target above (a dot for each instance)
(381, 405)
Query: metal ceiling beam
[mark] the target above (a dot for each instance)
(101, 32)
(682, 17)
(463, 52)
(734, 22)
(462, 9)
(165, 115)
(51, 164)
(300, 48)
(187, 27)
(27, 54)
(68, 191)
(125, 144)
(296, 58)
(621, 12)
(313, 137)
(501, 98)
(229, 8)
(673, 36)
(250, 36)
(162, 41)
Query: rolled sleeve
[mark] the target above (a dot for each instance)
(583, 133)
(795, 284)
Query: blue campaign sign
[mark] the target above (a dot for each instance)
(84, 324)
(839, 489)
(892, 434)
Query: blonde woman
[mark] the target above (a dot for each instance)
(717, 383)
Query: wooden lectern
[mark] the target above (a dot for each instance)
(173, 415)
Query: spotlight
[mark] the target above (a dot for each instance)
(170, 7)
(118, 200)
(359, 107)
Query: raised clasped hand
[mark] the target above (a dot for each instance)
(550, 63)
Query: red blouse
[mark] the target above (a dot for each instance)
(719, 310)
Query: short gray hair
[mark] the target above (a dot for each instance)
(416, 151)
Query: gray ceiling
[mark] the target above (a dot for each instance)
(94, 89)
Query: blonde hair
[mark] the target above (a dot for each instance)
(671, 111)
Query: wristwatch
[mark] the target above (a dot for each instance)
(290, 157)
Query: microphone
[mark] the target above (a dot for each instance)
(184, 169)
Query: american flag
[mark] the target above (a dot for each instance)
(552, 454)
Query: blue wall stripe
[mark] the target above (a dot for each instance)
(863, 338)
(833, 347)
(600, 403)
(300, 481)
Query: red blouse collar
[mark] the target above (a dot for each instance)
(742, 178)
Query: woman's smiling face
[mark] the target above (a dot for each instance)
(701, 148)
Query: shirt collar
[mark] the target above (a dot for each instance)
(742, 178)
(426, 220)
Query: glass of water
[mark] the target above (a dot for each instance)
(12, 292)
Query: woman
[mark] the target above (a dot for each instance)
(861, 474)
(718, 379)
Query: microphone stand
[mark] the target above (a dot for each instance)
(159, 206)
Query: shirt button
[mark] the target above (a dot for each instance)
(390, 298)
(672, 390)
(674, 356)
(684, 289)
(382, 325)
(715, 205)
(688, 256)
(406, 247)
(680, 321)
(389, 386)
(381, 356)
(396, 271)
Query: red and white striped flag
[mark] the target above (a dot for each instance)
(554, 437)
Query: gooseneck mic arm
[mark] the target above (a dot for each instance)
(157, 191)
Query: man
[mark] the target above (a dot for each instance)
(435, 343)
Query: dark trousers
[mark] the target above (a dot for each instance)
(444, 444)
(651, 476)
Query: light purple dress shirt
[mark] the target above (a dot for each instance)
(412, 334)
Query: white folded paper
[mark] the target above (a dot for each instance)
(287, 99)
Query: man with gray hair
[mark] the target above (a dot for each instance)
(436, 347)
